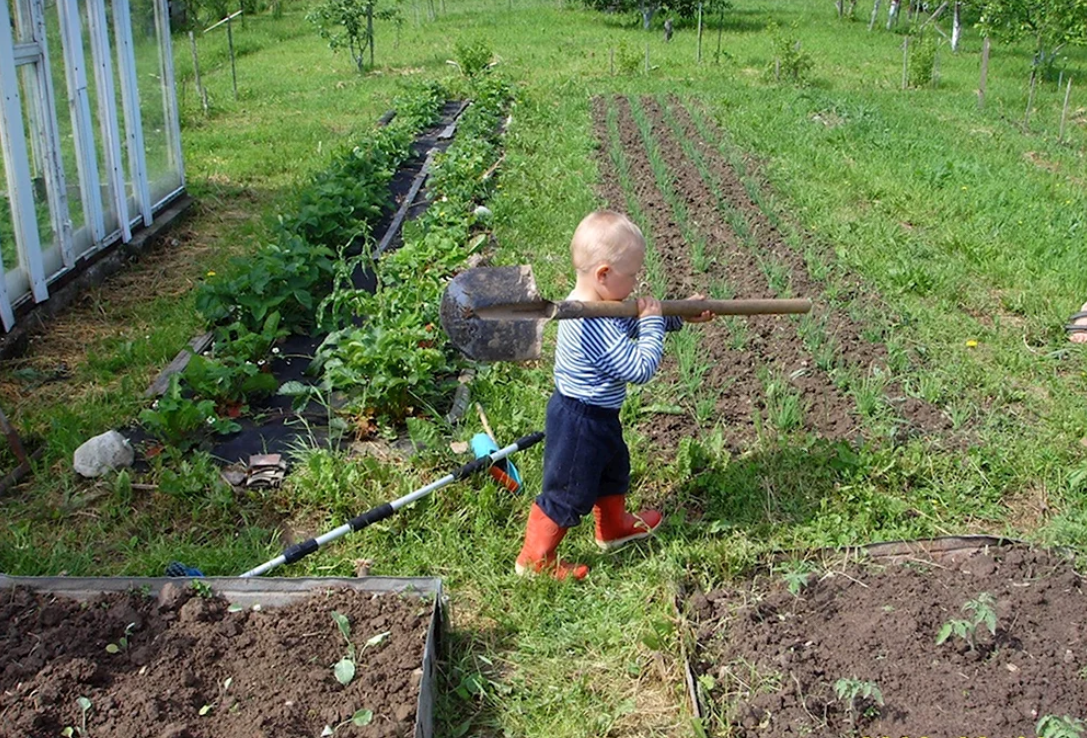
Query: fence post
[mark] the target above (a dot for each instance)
(984, 73)
(1030, 98)
(905, 61)
(1064, 112)
(700, 33)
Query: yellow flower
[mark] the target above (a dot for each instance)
(211, 274)
(971, 343)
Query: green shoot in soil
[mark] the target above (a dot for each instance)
(208, 707)
(84, 708)
(344, 669)
(849, 690)
(122, 642)
(981, 611)
(360, 718)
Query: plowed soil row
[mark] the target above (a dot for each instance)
(738, 370)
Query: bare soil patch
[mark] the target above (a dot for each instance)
(769, 660)
(181, 649)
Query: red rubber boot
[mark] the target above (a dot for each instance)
(616, 527)
(542, 537)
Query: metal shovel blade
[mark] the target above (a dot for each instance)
(492, 340)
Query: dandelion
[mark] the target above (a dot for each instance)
(964, 188)
(971, 343)
(211, 274)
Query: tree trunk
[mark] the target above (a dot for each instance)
(649, 9)
(892, 13)
(956, 28)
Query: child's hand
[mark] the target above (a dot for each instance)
(705, 317)
(648, 306)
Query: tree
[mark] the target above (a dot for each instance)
(350, 24)
(1051, 23)
(648, 9)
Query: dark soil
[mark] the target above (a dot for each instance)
(181, 650)
(768, 661)
(717, 203)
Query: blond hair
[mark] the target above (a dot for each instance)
(604, 237)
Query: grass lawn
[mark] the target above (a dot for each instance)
(962, 230)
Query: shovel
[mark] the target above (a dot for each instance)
(497, 314)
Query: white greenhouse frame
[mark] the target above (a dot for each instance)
(100, 142)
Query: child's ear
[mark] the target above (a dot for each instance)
(601, 272)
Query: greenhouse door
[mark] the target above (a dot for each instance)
(90, 139)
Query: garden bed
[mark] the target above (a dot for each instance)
(852, 648)
(220, 657)
(824, 374)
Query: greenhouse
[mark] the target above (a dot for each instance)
(89, 137)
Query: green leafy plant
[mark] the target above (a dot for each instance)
(122, 642)
(81, 729)
(473, 58)
(981, 611)
(349, 24)
(852, 690)
(344, 669)
(921, 70)
(1066, 726)
(360, 718)
(202, 589)
(796, 577)
(790, 63)
(180, 421)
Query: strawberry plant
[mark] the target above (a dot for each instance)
(180, 421)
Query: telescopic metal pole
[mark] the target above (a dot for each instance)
(305, 548)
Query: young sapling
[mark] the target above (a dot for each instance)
(980, 610)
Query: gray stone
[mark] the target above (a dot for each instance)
(103, 454)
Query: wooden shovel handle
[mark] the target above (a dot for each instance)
(685, 308)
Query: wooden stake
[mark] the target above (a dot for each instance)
(905, 61)
(720, 27)
(1064, 112)
(875, 14)
(699, 59)
(984, 72)
(196, 73)
(230, 44)
(1030, 98)
(647, 57)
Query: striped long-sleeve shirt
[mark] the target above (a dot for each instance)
(596, 357)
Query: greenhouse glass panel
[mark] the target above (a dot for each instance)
(156, 99)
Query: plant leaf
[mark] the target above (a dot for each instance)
(327, 731)
(84, 703)
(113, 648)
(379, 638)
(205, 710)
(362, 717)
(343, 624)
(944, 634)
(344, 671)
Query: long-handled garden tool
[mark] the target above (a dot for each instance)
(373, 515)
(497, 314)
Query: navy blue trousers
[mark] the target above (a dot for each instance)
(585, 458)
